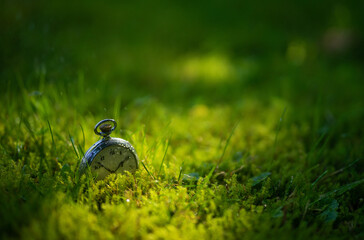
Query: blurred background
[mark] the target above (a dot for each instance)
(151, 63)
(181, 54)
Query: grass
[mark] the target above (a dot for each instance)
(246, 124)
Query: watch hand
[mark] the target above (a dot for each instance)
(122, 162)
(106, 168)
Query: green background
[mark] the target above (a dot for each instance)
(247, 118)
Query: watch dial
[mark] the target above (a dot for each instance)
(113, 159)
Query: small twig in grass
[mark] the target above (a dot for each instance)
(237, 170)
(306, 208)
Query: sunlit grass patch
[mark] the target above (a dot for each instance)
(208, 68)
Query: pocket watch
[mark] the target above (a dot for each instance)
(109, 155)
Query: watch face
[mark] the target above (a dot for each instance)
(113, 159)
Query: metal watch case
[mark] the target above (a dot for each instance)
(101, 144)
(105, 142)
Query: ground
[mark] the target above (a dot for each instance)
(247, 118)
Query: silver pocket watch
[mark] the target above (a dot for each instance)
(109, 155)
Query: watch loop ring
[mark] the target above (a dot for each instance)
(106, 129)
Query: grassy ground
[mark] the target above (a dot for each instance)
(247, 119)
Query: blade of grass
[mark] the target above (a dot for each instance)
(83, 138)
(50, 130)
(117, 105)
(20, 82)
(180, 172)
(164, 156)
(43, 164)
(279, 128)
(146, 169)
(80, 150)
(315, 145)
(339, 191)
(341, 169)
(227, 142)
(18, 136)
(73, 145)
(30, 130)
(318, 179)
(207, 178)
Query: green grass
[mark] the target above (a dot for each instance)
(246, 124)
